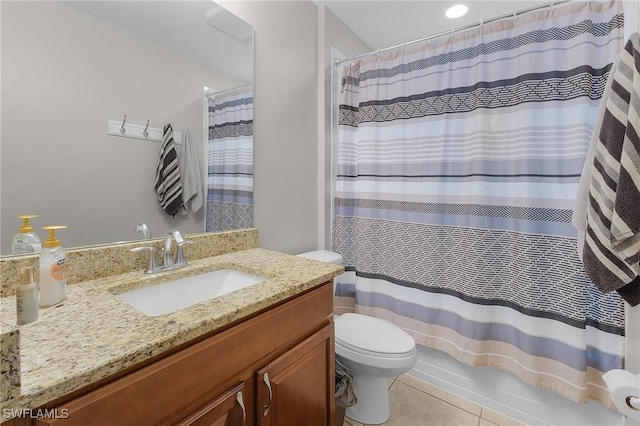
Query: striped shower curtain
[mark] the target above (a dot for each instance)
(230, 160)
(458, 165)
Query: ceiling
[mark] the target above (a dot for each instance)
(181, 25)
(381, 24)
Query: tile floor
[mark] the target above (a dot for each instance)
(416, 403)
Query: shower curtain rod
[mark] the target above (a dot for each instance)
(220, 92)
(453, 30)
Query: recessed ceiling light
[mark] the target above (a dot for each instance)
(456, 11)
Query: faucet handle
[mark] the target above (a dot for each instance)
(152, 264)
(180, 259)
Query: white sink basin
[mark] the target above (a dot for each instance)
(171, 296)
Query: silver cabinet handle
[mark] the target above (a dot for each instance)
(265, 379)
(241, 404)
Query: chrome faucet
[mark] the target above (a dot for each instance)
(169, 262)
(146, 233)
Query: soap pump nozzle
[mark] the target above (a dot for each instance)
(26, 227)
(52, 241)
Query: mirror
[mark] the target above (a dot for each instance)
(70, 67)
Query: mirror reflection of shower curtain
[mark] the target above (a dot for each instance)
(230, 160)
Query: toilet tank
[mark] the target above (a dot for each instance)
(325, 256)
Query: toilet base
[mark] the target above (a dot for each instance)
(372, 407)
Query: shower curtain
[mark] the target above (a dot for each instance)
(230, 160)
(458, 165)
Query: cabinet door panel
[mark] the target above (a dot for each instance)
(297, 388)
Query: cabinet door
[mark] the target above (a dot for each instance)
(226, 410)
(298, 387)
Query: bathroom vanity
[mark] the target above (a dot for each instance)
(281, 359)
(262, 355)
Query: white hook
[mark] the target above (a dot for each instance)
(144, 132)
(122, 129)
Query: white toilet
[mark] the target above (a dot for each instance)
(372, 350)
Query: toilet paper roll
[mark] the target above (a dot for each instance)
(624, 388)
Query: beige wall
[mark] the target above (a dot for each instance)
(293, 41)
(285, 121)
(64, 74)
(337, 35)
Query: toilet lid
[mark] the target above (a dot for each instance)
(323, 256)
(365, 334)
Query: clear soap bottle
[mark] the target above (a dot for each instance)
(26, 297)
(26, 241)
(53, 269)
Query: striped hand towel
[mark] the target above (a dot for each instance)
(612, 245)
(167, 181)
(579, 217)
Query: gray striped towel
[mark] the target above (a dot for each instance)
(167, 181)
(612, 245)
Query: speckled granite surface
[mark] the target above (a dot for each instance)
(9, 361)
(92, 335)
(91, 262)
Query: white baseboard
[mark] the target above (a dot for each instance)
(507, 395)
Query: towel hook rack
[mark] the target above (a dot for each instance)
(145, 132)
(122, 129)
(126, 129)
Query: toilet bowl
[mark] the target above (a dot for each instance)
(372, 350)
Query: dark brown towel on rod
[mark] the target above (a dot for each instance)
(167, 181)
(612, 245)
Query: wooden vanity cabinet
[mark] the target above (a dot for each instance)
(292, 344)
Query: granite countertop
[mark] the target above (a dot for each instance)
(92, 335)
